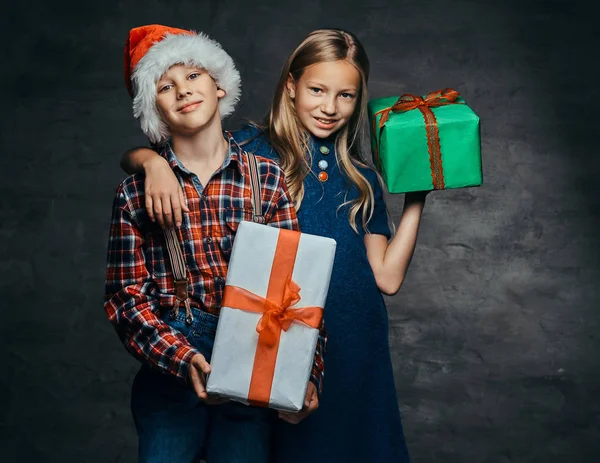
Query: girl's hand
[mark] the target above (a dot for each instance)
(164, 197)
(311, 403)
(416, 196)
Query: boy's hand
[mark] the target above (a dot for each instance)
(199, 369)
(164, 197)
(311, 403)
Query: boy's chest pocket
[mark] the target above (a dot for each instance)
(229, 223)
(157, 262)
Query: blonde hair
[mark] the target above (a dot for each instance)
(290, 138)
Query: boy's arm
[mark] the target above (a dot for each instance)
(130, 304)
(282, 214)
(165, 201)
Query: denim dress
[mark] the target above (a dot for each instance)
(358, 419)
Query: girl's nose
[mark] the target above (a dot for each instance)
(328, 107)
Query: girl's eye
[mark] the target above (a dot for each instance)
(316, 90)
(347, 96)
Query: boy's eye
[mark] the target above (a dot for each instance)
(164, 88)
(194, 75)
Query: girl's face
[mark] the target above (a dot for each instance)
(187, 98)
(325, 96)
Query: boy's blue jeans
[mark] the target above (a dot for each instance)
(174, 426)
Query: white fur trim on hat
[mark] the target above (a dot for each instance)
(190, 50)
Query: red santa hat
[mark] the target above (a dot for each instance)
(151, 50)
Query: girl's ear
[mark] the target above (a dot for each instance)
(220, 93)
(290, 84)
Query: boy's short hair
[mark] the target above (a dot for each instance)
(151, 50)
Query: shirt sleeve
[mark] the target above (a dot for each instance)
(129, 301)
(282, 214)
(318, 368)
(379, 223)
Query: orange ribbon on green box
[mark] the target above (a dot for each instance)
(452, 141)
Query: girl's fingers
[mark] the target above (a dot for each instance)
(158, 212)
(149, 208)
(176, 207)
(182, 201)
(167, 211)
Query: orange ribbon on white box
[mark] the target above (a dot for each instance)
(282, 294)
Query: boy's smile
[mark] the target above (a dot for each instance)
(187, 98)
(189, 107)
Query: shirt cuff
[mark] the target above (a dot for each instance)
(181, 362)
(316, 378)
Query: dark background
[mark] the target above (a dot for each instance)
(494, 334)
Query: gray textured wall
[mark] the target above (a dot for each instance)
(494, 334)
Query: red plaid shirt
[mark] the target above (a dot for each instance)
(139, 280)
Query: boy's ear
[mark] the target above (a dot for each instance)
(290, 84)
(220, 93)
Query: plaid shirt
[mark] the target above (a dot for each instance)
(139, 280)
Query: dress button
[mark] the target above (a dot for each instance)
(324, 150)
(323, 176)
(323, 164)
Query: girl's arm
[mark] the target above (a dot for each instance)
(389, 260)
(164, 197)
(133, 160)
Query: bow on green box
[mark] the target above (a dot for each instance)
(426, 143)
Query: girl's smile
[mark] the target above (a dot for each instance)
(326, 124)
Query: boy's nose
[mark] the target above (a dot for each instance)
(183, 92)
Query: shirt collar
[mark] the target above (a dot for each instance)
(233, 158)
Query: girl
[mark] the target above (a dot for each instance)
(314, 131)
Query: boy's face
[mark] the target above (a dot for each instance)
(187, 98)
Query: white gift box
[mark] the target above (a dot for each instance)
(235, 362)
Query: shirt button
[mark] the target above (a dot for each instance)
(209, 239)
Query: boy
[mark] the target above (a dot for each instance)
(182, 84)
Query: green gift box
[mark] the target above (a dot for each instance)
(425, 143)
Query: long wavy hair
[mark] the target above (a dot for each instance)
(290, 138)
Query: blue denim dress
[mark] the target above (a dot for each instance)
(358, 419)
